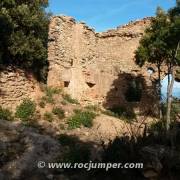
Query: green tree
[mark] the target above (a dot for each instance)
(152, 47)
(173, 44)
(160, 46)
(24, 35)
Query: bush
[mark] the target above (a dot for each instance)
(26, 110)
(48, 116)
(158, 126)
(69, 99)
(92, 107)
(50, 92)
(84, 118)
(121, 112)
(63, 102)
(24, 35)
(6, 114)
(59, 112)
(175, 109)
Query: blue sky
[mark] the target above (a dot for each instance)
(107, 14)
(176, 88)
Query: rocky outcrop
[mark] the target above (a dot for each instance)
(22, 148)
(95, 67)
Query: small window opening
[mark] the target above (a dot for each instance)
(90, 84)
(66, 83)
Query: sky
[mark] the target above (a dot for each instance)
(176, 88)
(107, 14)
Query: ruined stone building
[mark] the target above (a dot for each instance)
(95, 67)
(92, 67)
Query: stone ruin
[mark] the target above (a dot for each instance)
(92, 67)
(96, 67)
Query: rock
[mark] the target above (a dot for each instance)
(23, 156)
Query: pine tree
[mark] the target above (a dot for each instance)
(24, 34)
(160, 45)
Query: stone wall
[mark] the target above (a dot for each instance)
(92, 67)
(95, 67)
(15, 86)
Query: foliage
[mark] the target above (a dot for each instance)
(59, 112)
(26, 110)
(84, 118)
(160, 45)
(92, 107)
(6, 114)
(121, 112)
(175, 109)
(69, 99)
(158, 126)
(49, 93)
(24, 35)
(48, 116)
(63, 102)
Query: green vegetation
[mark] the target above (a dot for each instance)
(59, 112)
(6, 114)
(92, 108)
(24, 35)
(161, 46)
(63, 102)
(48, 116)
(26, 110)
(69, 99)
(121, 112)
(49, 93)
(84, 118)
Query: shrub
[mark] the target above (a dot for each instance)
(69, 99)
(121, 112)
(50, 92)
(59, 112)
(6, 114)
(48, 99)
(158, 126)
(175, 109)
(48, 116)
(26, 110)
(63, 102)
(81, 118)
(92, 107)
